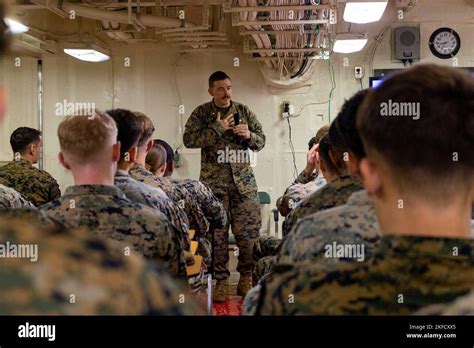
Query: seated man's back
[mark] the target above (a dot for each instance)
(178, 194)
(106, 211)
(75, 273)
(333, 194)
(155, 198)
(404, 275)
(36, 185)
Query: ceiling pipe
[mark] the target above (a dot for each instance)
(117, 16)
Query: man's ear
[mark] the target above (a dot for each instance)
(133, 153)
(370, 173)
(322, 166)
(353, 165)
(63, 162)
(210, 91)
(116, 152)
(32, 149)
(149, 145)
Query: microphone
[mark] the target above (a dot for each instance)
(236, 123)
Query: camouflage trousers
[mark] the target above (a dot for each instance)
(264, 250)
(263, 267)
(244, 217)
(266, 246)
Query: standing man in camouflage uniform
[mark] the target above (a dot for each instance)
(211, 128)
(425, 253)
(36, 185)
(89, 148)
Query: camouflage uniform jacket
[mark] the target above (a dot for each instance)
(405, 274)
(354, 223)
(155, 198)
(11, 199)
(211, 206)
(36, 185)
(178, 194)
(461, 306)
(105, 211)
(77, 273)
(296, 193)
(204, 131)
(334, 193)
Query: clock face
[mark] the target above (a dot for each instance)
(445, 43)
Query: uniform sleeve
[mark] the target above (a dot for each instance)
(197, 134)
(214, 209)
(257, 138)
(55, 191)
(304, 178)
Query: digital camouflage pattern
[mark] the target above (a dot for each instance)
(155, 198)
(211, 207)
(296, 193)
(404, 275)
(178, 194)
(304, 177)
(250, 302)
(461, 306)
(231, 178)
(263, 267)
(77, 273)
(11, 199)
(244, 212)
(264, 251)
(33, 216)
(352, 223)
(106, 212)
(203, 131)
(36, 185)
(334, 193)
(266, 245)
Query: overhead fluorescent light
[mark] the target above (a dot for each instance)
(91, 53)
(16, 27)
(349, 43)
(364, 11)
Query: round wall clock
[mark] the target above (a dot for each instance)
(445, 43)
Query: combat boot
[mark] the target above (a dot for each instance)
(221, 291)
(245, 284)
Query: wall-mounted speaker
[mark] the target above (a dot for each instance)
(407, 43)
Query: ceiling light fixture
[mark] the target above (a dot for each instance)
(364, 11)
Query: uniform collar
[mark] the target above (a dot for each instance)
(103, 190)
(360, 198)
(23, 162)
(416, 246)
(122, 174)
(141, 169)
